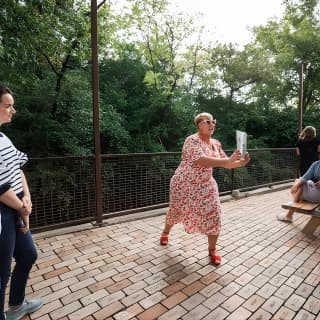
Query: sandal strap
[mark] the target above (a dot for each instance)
(215, 259)
(164, 239)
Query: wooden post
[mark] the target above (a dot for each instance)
(95, 100)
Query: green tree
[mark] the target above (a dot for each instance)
(288, 42)
(43, 39)
(237, 69)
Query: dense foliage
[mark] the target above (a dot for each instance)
(155, 73)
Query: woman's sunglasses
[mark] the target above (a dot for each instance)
(208, 122)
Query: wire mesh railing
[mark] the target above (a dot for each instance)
(64, 191)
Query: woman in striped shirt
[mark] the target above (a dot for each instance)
(15, 202)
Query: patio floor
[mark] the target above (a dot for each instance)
(270, 269)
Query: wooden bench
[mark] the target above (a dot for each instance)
(312, 209)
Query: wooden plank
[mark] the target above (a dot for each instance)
(306, 208)
(302, 206)
(310, 206)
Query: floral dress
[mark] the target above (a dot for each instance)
(194, 194)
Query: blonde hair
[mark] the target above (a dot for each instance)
(201, 116)
(308, 133)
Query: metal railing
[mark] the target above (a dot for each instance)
(64, 191)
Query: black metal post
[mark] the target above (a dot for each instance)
(95, 100)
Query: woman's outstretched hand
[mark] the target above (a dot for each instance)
(246, 159)
(236, 161)
(236, 156)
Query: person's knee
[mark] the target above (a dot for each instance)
(4, 276)
(27, 259)
(32, 256)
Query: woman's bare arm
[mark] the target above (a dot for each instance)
(208, 162)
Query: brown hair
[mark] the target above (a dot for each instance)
(4, 90)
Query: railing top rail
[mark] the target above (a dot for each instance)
(63, 158)
(150, 154)
(144, 154)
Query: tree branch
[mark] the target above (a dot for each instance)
(101, 4)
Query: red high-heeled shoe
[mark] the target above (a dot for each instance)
(164, 239)
(215, 259)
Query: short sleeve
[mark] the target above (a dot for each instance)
(4, 177)
(11, 161)
(192, 149)
(22, 158)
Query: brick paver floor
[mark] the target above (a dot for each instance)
(270, 269)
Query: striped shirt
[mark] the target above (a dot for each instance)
(11, 161)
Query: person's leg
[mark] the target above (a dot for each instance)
(167, 228)
(25, 255)
(164, 239)
(212, 242)
(7, 244)
(296, 197)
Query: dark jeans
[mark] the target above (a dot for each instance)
(14, 243)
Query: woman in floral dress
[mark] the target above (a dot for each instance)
(194, 194)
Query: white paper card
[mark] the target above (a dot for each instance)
(241, 137)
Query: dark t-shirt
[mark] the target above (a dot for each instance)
(308, 153)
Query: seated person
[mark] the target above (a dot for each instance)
(305, 188)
